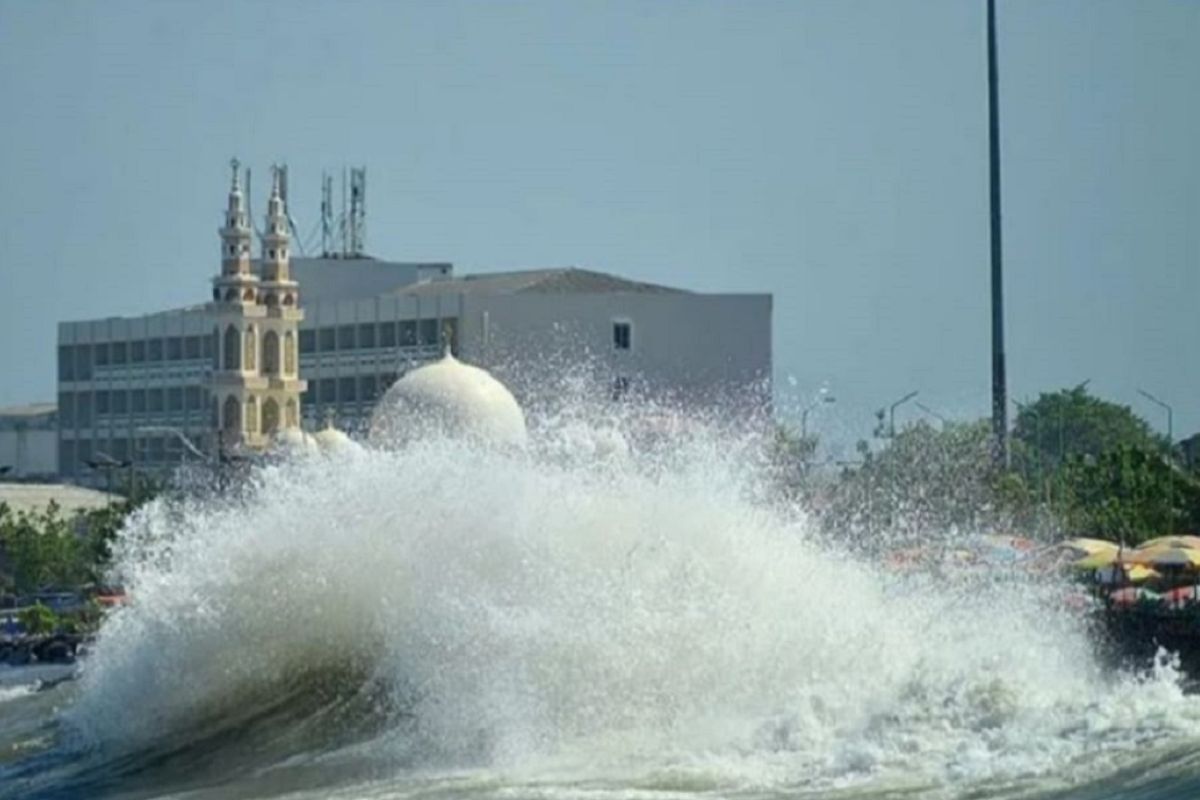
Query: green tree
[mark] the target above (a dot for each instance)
(38, 619)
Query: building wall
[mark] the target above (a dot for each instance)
(119, 377)
(29, 444)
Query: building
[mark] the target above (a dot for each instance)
(149, 389)
(29, 442)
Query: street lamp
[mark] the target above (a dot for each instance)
(892, 412)
(1170, 415)
(940, 417)
(824, 398)
(106, 463)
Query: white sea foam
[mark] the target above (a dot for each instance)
(632, 620)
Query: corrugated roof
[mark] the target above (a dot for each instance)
(29, 410)
(566, 280)
(36, 496)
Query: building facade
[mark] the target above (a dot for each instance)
(298, 341)
(29, 442)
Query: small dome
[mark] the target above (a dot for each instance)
(330, 439)
(448, 398)
(294, 441)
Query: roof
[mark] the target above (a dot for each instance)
(36, 496)
(28, 410)
(566, 280)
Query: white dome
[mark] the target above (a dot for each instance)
(294, 442)
(330, 438)
(448, 398)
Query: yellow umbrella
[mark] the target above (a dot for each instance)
(1165, 557)
(1104, 558)
(1091, 546)
(1191, 542)
(1133, 573)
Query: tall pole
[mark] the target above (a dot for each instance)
(999, 379)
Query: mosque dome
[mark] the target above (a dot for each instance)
(294, 442)
(448, 398)
(330, 439)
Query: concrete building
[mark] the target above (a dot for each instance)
(143, 388)
(29, 441)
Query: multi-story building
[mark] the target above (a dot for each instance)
(144, 389)
(28, 442)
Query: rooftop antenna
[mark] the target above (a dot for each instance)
(287, 208)
(326, 214)
(345, 220)
(250, 209)
(358, 210)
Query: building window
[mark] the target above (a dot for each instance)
(120, 353)
(120, 401)
(120, 449)
(347, 390)
(233, 349)
(137, 351)
(270, 359)
(66, 409)
(368, 388)
(345, 337)
(328, 339)
(193, 399)
(231, 417)
(101, 402)
(154, 350)
(308, 341)
(366, 335)
(83, 409)
(137, 401)
(387, 334)
(429, 332)
(83, 362)
(175, 348)
(192, 348)
(66, 363)
(289, 353)
(83, 449)
(100, 354)
(408, 333)
(622, 335)
(270, 416)
(207, 349)
(309, 396)
(249, 357)
(157, 449)
(175, 398)
(328, 392)
(154, 400)
(66, 457)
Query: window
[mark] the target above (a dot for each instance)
(192, 348)
(83, 409)
(157, 449)
(309, 396)
(308, 341)
(368, 388)
(66, 457)
(101, 402)
(206, 344)
(66, 363)
(366, 334)
(328, 339)
(328, 390)
(620, 388)
(83, 448)
(387, 334)
(66, 409)
(408, 333)
(345, 336)
(192, 398)
(120, 353)
(429, 331)
(233, 349)
(289, 353)
(100, 354)
(83, 362)
(137, 401)
(347, 390)
(154, 350)
(120, 401)
(270, 359)
(154, 400)
(175, 398)
(137, 351)
(120, 449)
(622, 335)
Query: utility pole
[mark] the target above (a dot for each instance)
(999, 379)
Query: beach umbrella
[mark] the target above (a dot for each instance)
(1125, 572)
(1192, 542)
(1187, 557)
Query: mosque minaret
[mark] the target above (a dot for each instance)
(255, 384)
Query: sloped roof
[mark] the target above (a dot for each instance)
(28, 410)
(566, 280)
(36, 496)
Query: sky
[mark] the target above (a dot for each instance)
(832, 153)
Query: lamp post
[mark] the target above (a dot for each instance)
(1170, 415)
(892, 412)
(939, 417)
(824, 398)
(105, 463)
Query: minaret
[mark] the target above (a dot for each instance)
(279, 296)
(235, 385)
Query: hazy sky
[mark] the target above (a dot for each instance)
(832, 153)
